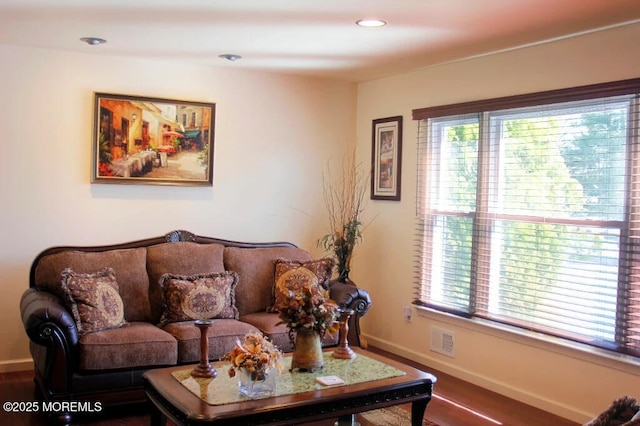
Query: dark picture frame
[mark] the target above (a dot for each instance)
(152, 141)
(386, 158)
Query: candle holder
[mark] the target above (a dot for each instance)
(344, 351)
(204, 369)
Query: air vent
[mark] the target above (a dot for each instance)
(443, 341)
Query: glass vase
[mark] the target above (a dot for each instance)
(257, 384)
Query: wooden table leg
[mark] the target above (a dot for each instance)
(157, 418)
(417, 411)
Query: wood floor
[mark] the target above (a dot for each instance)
(455, 403)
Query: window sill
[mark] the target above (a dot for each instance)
(601, 357)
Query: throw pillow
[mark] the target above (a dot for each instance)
(202, 296)
(292, 276)
(94, 300)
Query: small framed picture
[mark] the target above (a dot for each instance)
(386, 158)
(152, 141)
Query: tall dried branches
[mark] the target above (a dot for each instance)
(344, 198)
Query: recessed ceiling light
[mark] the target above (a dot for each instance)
(93, 41)
(371, 23)
(230, 57)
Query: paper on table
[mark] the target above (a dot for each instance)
(329, 380)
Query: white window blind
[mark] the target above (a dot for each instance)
(528, 212)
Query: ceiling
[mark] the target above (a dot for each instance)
(306, 37)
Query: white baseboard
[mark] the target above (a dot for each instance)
(11, 366)
(509, 391)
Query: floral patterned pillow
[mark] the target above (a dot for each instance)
(94, 300)
(202, 296)
(292, 276)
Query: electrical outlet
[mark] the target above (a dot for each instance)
(406, 311)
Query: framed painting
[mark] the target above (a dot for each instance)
(152, 141)
(386, 158)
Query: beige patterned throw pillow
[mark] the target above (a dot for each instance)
(291, 276)
(94, 300)
(203, 296)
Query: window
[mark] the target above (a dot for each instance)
(528, 212)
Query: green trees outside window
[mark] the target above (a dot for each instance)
(525, 217)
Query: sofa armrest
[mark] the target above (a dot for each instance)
(49, 324)
(351, 297)
(42, 314)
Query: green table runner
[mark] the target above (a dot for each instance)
(224, 390)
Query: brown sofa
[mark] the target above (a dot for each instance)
(107, 365)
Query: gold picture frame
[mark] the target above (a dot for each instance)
(152, 141)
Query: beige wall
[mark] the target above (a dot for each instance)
(573, 383)
(274, 134)
(269, 129)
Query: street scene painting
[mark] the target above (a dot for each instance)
(139, 140)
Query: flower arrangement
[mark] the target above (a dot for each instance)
(345, 201)
(311, 308)
(255, 354)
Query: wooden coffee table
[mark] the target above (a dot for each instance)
(172, 400)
